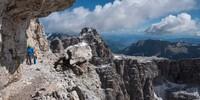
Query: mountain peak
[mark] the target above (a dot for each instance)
(171, 50)
(88, 30)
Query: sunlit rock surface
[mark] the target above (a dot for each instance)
(18, 26)
(15, 18)
(133, 77)
(81, 67)
(36, 36)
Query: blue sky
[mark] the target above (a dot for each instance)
(90, 3)
(176, 17)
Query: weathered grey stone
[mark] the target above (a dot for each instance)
(15, 19)
(18, 26)
(56, 46)
(183, 71)
(100, 51)
(102, 78)
(36, 36)
(79, 53)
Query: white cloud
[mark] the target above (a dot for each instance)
(123, 15)
(181, 23)
(197, 33)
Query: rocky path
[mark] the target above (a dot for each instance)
(43, 82)
(33, 77)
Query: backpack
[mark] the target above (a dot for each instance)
(30, 51)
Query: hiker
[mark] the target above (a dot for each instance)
(30, 55)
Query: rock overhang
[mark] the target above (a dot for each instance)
(35, 8)
(15, 23)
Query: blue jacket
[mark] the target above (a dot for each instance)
(30, 51)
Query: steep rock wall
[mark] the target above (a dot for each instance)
(18, 25)
(15, 18)
(122, 78)
(181, 72)
(136, 78)
(178, 80)
(36, 36)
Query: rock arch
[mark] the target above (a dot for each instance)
(15, 21)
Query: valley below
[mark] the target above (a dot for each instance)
(136, 77)
(171, 50)
(83, 67)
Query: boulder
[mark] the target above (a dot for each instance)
(79, 53)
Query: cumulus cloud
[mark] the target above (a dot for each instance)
(198, 33)
(182, 23)
(117, 16)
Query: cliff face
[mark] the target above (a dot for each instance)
(135, 78)
(17, 23)
(36, 37)
(121, 77)
(183, 71)
(82, 67)
(160, 48)
(179, 80)
(16, 16)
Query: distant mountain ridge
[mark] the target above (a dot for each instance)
(188, 40)
(171, 50)
(118, 42)
(87, 57)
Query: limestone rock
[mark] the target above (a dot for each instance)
(79, 53)
(101, 54)
(80, 76)
(36, 36)
(123, 78)
(18, 21)
(59, 42)
(88, 71)
(56, 46)
(183, 94)
(15, 18)
(178, 80)
(183, 71)
(100, 51)
(75, 58)
(137, 78)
